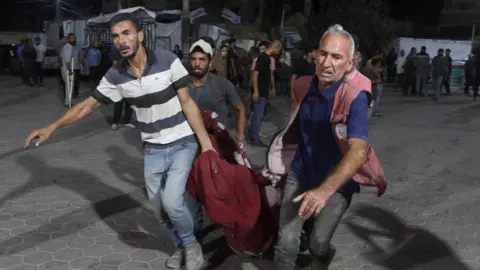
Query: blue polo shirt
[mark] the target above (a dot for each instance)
(318, 153)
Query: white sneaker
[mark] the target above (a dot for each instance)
(176, 261)
(129, 125)
(194, 259)
(114, 127)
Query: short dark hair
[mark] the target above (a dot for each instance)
(126, 17)
(311, 48)
(263, 43)
(199, 49)
(356, 41)
(378, 61)
(232, 40)
(71, 35)
(223, 46)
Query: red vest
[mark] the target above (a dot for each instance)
(285, 143)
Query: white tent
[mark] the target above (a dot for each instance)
(142, 14)
(168, 35)
(98, 28)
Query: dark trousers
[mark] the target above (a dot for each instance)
(446, 83)
(117, 112)
(60, 79)
(96, 74)
(76, 83)
(319, 228)
(38, 72)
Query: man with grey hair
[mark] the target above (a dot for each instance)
(318, 188)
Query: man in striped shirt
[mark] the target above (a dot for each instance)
(155, 84)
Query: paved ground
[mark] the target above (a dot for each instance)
(77, 202)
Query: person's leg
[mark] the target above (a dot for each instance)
(323, 228)
(446, 81)
(437, 86)
(155, 167)
(290, 226)
(127, 119)
(418, 81)
(375, 111)
(76, 83)
(257, 116)
(117, 114)
(39, 73)
(66, 83)
(174, 204)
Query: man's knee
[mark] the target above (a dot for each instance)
(288, 241)
(174, 204)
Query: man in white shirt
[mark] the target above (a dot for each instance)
(401, 69)
(71, 58)
(40, 49)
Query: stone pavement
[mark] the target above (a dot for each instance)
(77, 202)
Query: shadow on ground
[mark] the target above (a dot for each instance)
(401, 247)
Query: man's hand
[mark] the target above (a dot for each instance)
(255, 96)
(313, 202)
(41, 134)
(272, 92)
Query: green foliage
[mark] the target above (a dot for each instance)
(368, 19)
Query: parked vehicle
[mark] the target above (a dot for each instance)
(51, 60)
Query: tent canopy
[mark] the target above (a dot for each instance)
(143, 14)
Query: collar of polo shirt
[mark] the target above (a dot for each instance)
(151, 59)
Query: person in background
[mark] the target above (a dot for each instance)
(58, 48)
(262, 89)
(400, 69)
(284, 73)
(302, 67)
(391, 60)
(122, 105)
(72, 60)
(29, 56)
(233, 62)
(219, 63)
(409, 72)
(422, 67)
(40, 49)
(470, 73)
(446, 81)
(94, 59)
(439, 70)
(19, 52)
(178, 52)
(374, 74)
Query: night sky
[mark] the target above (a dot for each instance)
(27, 15)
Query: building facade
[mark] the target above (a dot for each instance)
(460, 13)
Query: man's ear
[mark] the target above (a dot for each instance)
(141, 36)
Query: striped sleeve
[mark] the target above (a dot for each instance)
(179, 75)
(107, 91)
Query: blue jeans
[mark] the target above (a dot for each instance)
(258, 110)
(166, 175)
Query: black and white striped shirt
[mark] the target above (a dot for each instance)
(153, 97)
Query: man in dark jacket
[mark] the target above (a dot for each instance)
(446, 80)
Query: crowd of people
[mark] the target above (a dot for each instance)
(321, 157)
(31, 58)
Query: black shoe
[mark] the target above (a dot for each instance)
(324, 263)
(259, 143)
